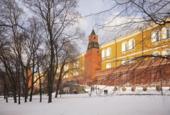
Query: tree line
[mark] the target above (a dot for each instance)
(36, 36)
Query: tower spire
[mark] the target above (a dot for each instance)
(93, 32)
(93, 41)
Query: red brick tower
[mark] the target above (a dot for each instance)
(92, 58)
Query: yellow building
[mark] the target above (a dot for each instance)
(76, 68)
(150, 41)
(122, 51)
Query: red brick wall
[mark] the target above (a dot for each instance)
(151, 75)
(92, 60)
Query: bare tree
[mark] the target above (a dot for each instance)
(156, 11)
(32, 46)
(40, 57)
(6, 57)
(137, 13)
(7, 60)
(18, 38)
(56, 17)
(67, 55)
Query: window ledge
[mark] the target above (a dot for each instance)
(128, 51)
(104, 58)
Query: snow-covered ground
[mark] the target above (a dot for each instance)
(82, 104)
(119, 102)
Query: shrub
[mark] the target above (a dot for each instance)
(158, 88)
(144, 88)
(133, 89)
(115, 89)
(123, 88)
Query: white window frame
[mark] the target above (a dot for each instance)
(124, 61)
(76, 64)
(108, 52)
(155, 36)
(166, 52)
(66, 67)
(156, 53)
(164, 33)
(66, 76)
(124, 46)
(131, 44)
(103, 53)
(75, 73)
(108, 65)
(168, 32)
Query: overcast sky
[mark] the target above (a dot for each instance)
(87, 23)
(112, 18)
(109, 19)
(86, 7)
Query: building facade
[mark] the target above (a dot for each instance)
(144, 46)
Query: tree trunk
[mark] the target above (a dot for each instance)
(49, 92)
(5, 90)
(40, 84)
(161, 79)
(49, 88)
(58, 86)
(51, 74)
(25, 89)
(32, 80)
(19, 85)
(60, 79)
(40, 90)
(15, 96)
(19, 92)
(26, 92)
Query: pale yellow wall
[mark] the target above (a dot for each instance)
(139, 37)
(77, 67)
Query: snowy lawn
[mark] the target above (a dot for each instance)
(96, 105)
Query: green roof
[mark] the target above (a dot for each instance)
(93, 32)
